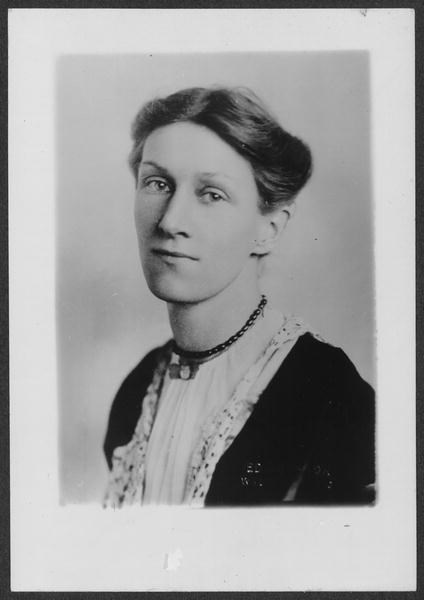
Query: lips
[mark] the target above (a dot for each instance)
(172, 253)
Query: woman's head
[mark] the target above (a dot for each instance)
(281, 163)
(208, 204)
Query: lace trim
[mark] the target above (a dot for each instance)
(127, 475)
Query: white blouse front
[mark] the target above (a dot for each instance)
(183, 408)
(186, 425)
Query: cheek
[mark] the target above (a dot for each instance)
(144, 218)
(235, 238)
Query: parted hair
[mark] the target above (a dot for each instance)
(281, 162)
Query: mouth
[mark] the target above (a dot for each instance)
(171, 254)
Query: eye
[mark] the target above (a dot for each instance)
(213, 196)
(155, 185)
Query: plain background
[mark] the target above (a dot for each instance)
(107, 318)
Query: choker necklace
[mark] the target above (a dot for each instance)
(189, 361)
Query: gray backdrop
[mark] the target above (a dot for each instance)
(107, 319)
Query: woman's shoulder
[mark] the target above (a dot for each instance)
(311, 358)
(319, 401)
(319, 381)
(344, 450)
(319, 360)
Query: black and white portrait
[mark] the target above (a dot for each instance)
(274, 261)
(218, 300)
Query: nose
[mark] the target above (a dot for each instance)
(174, 219)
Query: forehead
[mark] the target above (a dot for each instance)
(188, 147)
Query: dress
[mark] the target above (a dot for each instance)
(305, 437)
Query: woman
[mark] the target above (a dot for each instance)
(244, 406)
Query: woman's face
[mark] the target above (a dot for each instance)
(196, 212)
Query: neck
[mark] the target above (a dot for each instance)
(203, 325)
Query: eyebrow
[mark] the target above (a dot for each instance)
(164, 170)
(152, 163)
(214, 174)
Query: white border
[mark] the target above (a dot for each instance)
(87, 549)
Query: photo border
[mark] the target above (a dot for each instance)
(419, 323)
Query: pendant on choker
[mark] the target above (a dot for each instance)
(183, 371)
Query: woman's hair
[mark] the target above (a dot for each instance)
(281, 163)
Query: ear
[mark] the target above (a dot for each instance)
(271, 227)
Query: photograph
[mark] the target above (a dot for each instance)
(242, 184)
(212, 326)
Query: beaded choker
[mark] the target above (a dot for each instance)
(189, 361)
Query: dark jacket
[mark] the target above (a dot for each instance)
(313, 424)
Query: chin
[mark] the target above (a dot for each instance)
(171, 293)
(180, 292)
